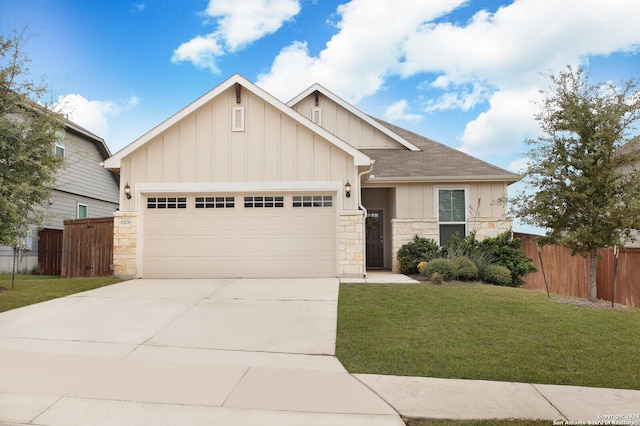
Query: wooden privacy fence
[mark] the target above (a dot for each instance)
(87, 248)
(50, 251)
(569, 275)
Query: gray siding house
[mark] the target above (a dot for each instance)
(84, 189)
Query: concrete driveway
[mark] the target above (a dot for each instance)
(195, 352)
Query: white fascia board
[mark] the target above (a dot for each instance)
(227, 187)
(346, 105)
(113, 162)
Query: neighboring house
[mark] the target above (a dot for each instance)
(238, 184)
(83, 189)
(631, 148)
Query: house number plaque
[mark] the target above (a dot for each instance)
(125, 222)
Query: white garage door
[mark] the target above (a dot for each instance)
(239, 235)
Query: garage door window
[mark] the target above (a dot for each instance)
(267, 201)
(312, 201)
(215, 202)
(167, 203)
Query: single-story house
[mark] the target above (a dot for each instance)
(83, 189)
(239, 184)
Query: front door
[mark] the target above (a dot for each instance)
(375, 239)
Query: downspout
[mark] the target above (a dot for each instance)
(364, 222)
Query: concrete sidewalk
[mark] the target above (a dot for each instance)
(421, 397)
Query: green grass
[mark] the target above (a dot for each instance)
(500, 422)
(482, 332)
(30, 289)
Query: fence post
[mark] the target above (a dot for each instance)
(615, 271)
(542, 267)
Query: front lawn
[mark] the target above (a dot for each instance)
(483, 332)
(30, 289)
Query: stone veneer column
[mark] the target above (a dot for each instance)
(125, 237)
(403, 231)
(351, 243)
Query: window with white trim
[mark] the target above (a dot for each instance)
(312, 201)
(452, 216)
(83, 211)
(59, 148)
(264, 201)
(167, 202)
(215, 202)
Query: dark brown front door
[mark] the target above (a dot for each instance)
(375, 239)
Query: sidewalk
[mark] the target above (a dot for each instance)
(421, 397)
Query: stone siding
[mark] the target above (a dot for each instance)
(351, 244)
(125, 244)
(489, 228)
(403, 231)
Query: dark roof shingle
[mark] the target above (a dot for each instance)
(435, 161)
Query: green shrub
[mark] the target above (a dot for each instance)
(467, 270)
(414, 252)
(497, 274)
(436, 278)
(507, 251)
(446, 268)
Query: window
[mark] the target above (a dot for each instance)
(58, 149)
(167, 202)
(83, 211)
(451, 213)
(237, 119)
(215, 202)
(312, 201)
(267, 201)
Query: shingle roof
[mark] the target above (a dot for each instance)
(631, 147)
(434, 162)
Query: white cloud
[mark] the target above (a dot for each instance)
(239, 23)
(200, 51)
(242, 22)
(465, 98)
(495, 57)
(519, 165)
(93, 115)
(503, 126)
(397, 111)
(356, 61)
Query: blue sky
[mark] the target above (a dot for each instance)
(464, 73)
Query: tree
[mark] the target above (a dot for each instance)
(576, 189)
(29, 129)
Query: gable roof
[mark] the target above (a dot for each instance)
(100, 144)
(355, 111)
(631, 147)
(434, 162)
(360, 159)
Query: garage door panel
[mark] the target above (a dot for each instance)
(240, 241)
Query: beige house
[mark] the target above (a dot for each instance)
(239, 184)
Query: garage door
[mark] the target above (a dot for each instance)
(239, 235)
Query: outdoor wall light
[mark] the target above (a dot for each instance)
(347, 189)
(127, 191)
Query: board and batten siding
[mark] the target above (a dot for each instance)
(417, 200)
(346, 125)
(203, 148)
